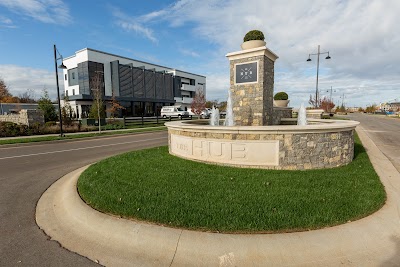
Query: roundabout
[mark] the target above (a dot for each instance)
(113, 241)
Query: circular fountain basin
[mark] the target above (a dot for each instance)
(320, 144)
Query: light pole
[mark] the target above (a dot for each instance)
(330, 96)
(309, 59)
(62, 66)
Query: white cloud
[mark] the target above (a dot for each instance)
(18, 79)
(133, 24)
(360, 35)
(188, 52)
(47, 11)
(6, 22)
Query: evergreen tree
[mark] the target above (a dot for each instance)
(47, 107)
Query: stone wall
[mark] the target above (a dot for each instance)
(253, 103)
(280, 113)
(284, 150)
(25, 116)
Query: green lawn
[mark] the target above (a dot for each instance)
(152, 185)
(75, 136)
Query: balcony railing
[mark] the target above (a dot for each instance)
(183, 100)
(187, 87)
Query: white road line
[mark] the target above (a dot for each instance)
(82, 148)
(77, 140)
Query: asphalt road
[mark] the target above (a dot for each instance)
(384, 131)
(27, 171)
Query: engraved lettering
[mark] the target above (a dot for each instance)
(198, 148)
(239, 151)
(216, 149)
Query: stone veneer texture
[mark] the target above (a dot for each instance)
(253, 103)
(297, 151)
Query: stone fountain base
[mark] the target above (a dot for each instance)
(321, 144)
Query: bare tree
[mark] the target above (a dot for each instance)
(199, 102)
(97, 92)
(27, 97)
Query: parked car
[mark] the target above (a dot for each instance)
(204, 114)
(173, 111)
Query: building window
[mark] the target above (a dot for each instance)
(65, 76)
(73, 91)
(66, 92)
(73, 75)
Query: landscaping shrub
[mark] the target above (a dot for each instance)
(50, 123)
(254, 35)
(9, 129)
(281, 96)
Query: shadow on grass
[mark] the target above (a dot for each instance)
(358, 150)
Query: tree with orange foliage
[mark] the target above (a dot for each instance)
(326, 104)
(115, 106)
(4, 93)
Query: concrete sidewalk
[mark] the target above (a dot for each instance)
(111, 241)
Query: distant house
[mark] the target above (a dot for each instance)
(390, 106)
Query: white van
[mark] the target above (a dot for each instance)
(173, 111)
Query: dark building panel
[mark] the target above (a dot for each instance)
(115, 77)
(177, 86)
(73, 77)
(160, 90)
(125, 81)
(150, 83)
(96, 76)
(137, 75)
(169, 87)
(83, 78)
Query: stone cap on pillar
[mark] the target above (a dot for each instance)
(253, 52)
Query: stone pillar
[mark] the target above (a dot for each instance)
(252, 86)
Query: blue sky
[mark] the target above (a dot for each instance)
(361, 36)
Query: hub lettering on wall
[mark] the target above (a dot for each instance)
(245, 152)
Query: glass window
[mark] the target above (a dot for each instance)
(65, 76)
(73, 91)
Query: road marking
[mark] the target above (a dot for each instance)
(76, 140)
(82, 148)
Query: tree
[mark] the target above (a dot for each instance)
(4, 93)
(222, 105)
(47, 107)
(115, 106)
(327, 105)
(313, 102)
(370, 109)
(199, 102)
(97, 110)
(66, 111)
(210, 104)
(27, 97)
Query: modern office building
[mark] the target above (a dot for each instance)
(141, 87)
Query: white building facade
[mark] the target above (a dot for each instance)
(141, 87)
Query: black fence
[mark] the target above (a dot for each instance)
(151, 121)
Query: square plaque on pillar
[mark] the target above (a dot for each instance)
(246, 72)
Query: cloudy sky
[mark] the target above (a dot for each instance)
(363, 39)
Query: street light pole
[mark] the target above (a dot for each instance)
(331, 90)
(62, 66)
(309, 59)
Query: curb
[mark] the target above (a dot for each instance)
(112, 241)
